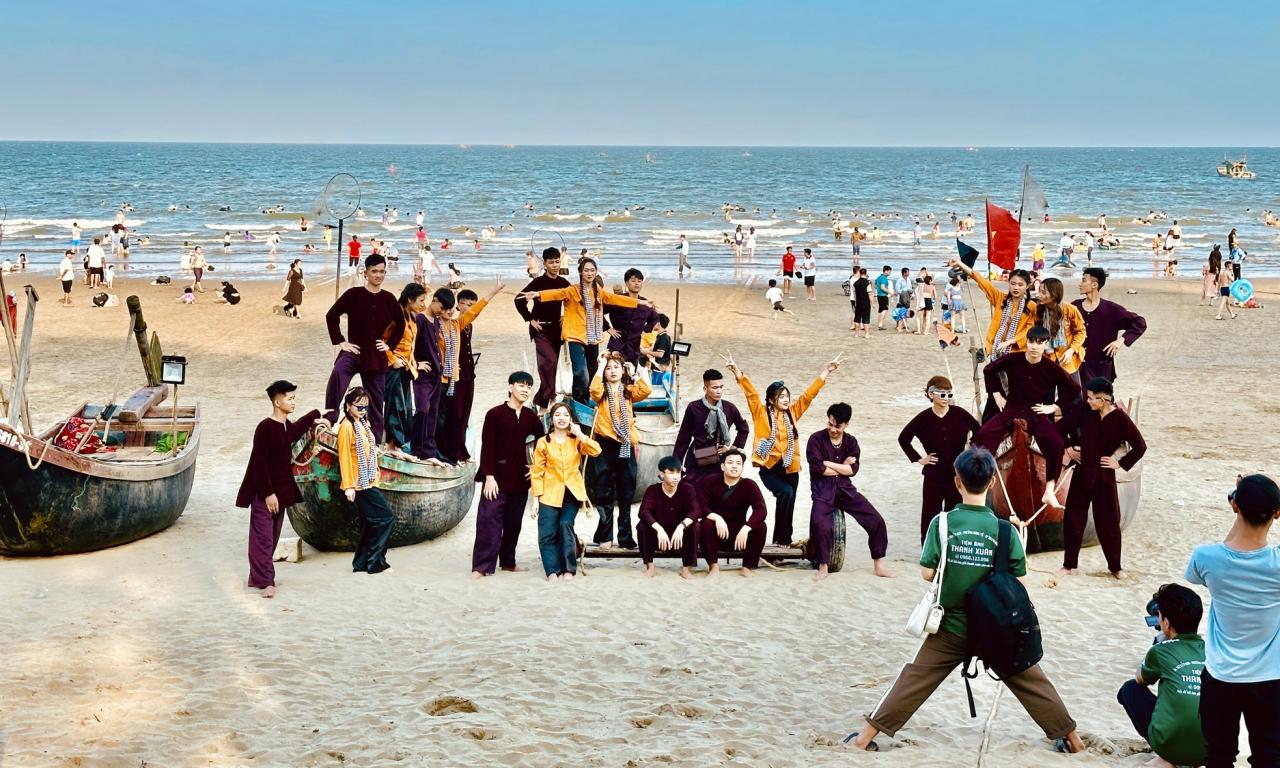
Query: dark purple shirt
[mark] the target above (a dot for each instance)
(820, 449)
(1101, 327)
(426, 347)
(270, 467)
(631, 322)
(669, 511)
(693, 431)
(744, 502)
(370, 316)
(502, 447)
(1031, 384)
(945, 437)
(1097, 437)
(546, 312)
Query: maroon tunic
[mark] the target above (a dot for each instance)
(369, 316)
(1030, 383)
(270, 462)
(1098, 437)
(945, 437)
(1101, 326)
(545, 312)
(669, 511)
(744, 505)
(502, 447)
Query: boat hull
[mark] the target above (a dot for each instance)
(426, 501)
(1045, 533)
(657, 439)
(72, 503)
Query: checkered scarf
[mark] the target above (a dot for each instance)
(595, 315)
(616, 401)
(450, 362)
(1009, 319)
(766, 444)
(366, 456)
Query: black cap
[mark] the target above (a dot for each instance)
(1257, 496)
(280, 387)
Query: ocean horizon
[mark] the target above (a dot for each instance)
(625, 204)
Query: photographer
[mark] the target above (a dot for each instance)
(1242, 666)
(1170, 721)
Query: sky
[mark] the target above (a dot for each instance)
(796, 73)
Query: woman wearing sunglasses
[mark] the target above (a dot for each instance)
(358, 465)
(944, 432)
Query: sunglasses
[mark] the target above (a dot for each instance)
(361, 408)
(1231, 497)
(945, 394)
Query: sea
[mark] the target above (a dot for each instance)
(627, 206)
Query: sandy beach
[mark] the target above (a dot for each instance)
(156, 653)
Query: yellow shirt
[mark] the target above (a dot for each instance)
(404, 350)
(349, 461)
(557, 466)
(1073, 330)
(455, 329)
(573, 326)
(760, 424)
(604, 420)
(996, 297)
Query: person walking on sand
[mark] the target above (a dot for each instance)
(787, 271)
(358, 467)
(558, 488)
(66, 275)
(970, 556)
(809, 268)
(1224, 291)
(884, 286)
(683, 248)
(353, 254)
(928, 297)
(860, 299)
(293, 291)
(267, 488)
(773, 295)
(198, 266)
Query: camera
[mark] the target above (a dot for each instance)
(1153, 614)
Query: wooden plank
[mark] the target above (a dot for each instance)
(140, 402)
(771, 552)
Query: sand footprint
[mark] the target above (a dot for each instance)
(449, 705)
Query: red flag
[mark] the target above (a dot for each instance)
(1004, 236)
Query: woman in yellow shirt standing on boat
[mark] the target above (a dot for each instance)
(776, 446)
(558, 491)
(358, 466)
(1065, 325)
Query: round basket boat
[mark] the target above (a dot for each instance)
(1017, 460)
(427, 501)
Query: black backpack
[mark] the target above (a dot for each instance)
(1003, 630)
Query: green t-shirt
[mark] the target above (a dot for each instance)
(971, 554)
(1175, 725)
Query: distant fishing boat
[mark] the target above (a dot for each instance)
(1236, 169)
(746, 154)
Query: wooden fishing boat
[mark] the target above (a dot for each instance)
(56, 500)
(427, 501)
(1022, 472)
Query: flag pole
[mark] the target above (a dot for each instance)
(1026, 171)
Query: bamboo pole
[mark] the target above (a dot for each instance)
(140, 335)
(18, 401)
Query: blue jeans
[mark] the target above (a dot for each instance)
(556, 542)
(583, 358)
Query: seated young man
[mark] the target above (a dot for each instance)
(972, 529)
(1170, 721)
(833, 457)
(667, 513)
(731, 506)
(1031, 380)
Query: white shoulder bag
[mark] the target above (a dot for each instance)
(926, 617)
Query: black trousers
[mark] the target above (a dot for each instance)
(376, 522)
(783, 485)
(613, 485)
(1221, 707)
